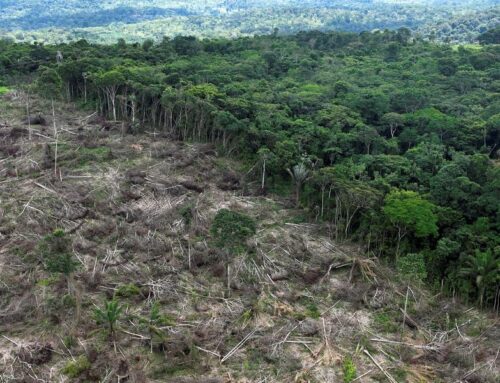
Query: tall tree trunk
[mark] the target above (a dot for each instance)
(263, 184)
(28, 116)
(55, 137)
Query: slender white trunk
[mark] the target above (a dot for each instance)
(55, 137)
(29, 116)
(263, 175)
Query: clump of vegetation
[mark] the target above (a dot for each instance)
(384, 322)
(57, 256)
(483, 269)
(108, 315)
(230, 230)
(69, 341)
(159, 319)
(312, 311)
(73, 369)
(154, 323)
(412, 267)
(349, 370)
(186, 211)
(84, 156)
(127, 291)
(410, 213)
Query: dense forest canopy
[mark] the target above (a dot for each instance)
(105, 22)
(393, 140)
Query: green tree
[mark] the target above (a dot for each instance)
(491, 36)
(299, 174)
(451, 187)
(393, 121)
(484, 269)
(412, 266)
(49, 83)
(267, 161)
(367, 135)
(230, 230)
(110, 83)
(57, 255)
(409, 212)
(108, 315)
(372, 104)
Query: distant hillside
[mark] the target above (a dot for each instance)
(58, 21)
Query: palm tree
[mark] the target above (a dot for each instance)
(108, 315)
(484, 268)
(299, 174)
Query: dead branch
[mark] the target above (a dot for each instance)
(388, 376)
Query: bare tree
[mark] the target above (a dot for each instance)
(55, 137)
(59, 57)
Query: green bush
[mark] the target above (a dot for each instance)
(159, 319)
(312, 311)
(55, 249)
(75, 368)
(385, 323)
(231, 229)
(69, 341)
(412, 266)
(186, 212)
(68, 301)
(128, 290)
(349, 370)
(108, 315)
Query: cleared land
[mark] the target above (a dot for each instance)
(137, 210)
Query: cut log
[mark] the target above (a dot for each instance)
(409, 321)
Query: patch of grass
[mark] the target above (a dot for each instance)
(270, 206)
(399, 374)
(222, 163)
(477, 327)
(349, 370)
(186, 211)
(300, 217)
(99, 195)
(86, 156)
(447, 321)
(253, 363)
(68, 301)
(312, 311)
(3, 90)
(246, 316)
(74, 369)
(128, 291)
(280, 187)
(81, 157)
(472, 47)
(172, 371)
(263, 305)
(157, 318)
(48, 281)
(69, 341)
(384, 322)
